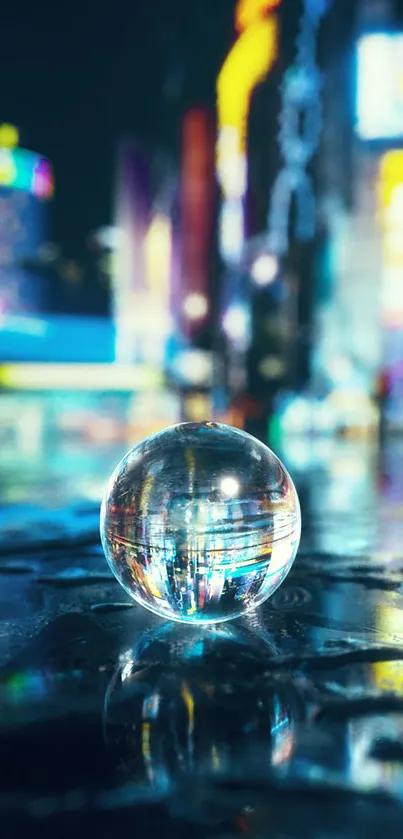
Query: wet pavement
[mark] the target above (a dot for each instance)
(286, 723)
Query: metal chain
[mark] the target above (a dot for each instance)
(299, 134)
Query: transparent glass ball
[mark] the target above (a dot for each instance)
(200, 522)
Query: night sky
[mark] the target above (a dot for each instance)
(77, 77)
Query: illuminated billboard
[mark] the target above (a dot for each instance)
(379, 93)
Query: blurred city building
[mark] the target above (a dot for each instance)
(142, 265)
(358, 312)
(26, 186)
(193, 304)
(258, 274)
(267, 234)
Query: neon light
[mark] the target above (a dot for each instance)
(391, 206)
(249, 11)
(141, 266)
(102, 377)
(42, 180)
(246, 65)
(9, 136)
(26, 171)
(157, 248)
(391, 175)
(379, 104)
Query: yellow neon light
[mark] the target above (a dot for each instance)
(101, 377)
(247, 64)
(8, 169)
(9, 136)
(249, 11)
(157, 249)
(391, 175)
(390, 196)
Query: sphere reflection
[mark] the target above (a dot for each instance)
(182, 706)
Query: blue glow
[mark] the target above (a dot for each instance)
(57, 339)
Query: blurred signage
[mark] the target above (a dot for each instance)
(193, 368)
(142, 255)
(26, 171)
(9, 136)
(379, 91)
(391, 218)
(23, 228)
(197, 191)
(247, 64)
(96, 377)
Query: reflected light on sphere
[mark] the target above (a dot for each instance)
(229, 486)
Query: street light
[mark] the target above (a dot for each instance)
(195, 306)
(264, 269)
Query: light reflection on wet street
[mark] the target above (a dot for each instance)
(288, 722)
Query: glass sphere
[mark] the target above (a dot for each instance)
(200, 522)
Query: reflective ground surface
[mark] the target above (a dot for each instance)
(287, 723)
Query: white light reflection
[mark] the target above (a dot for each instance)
(229, 486)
